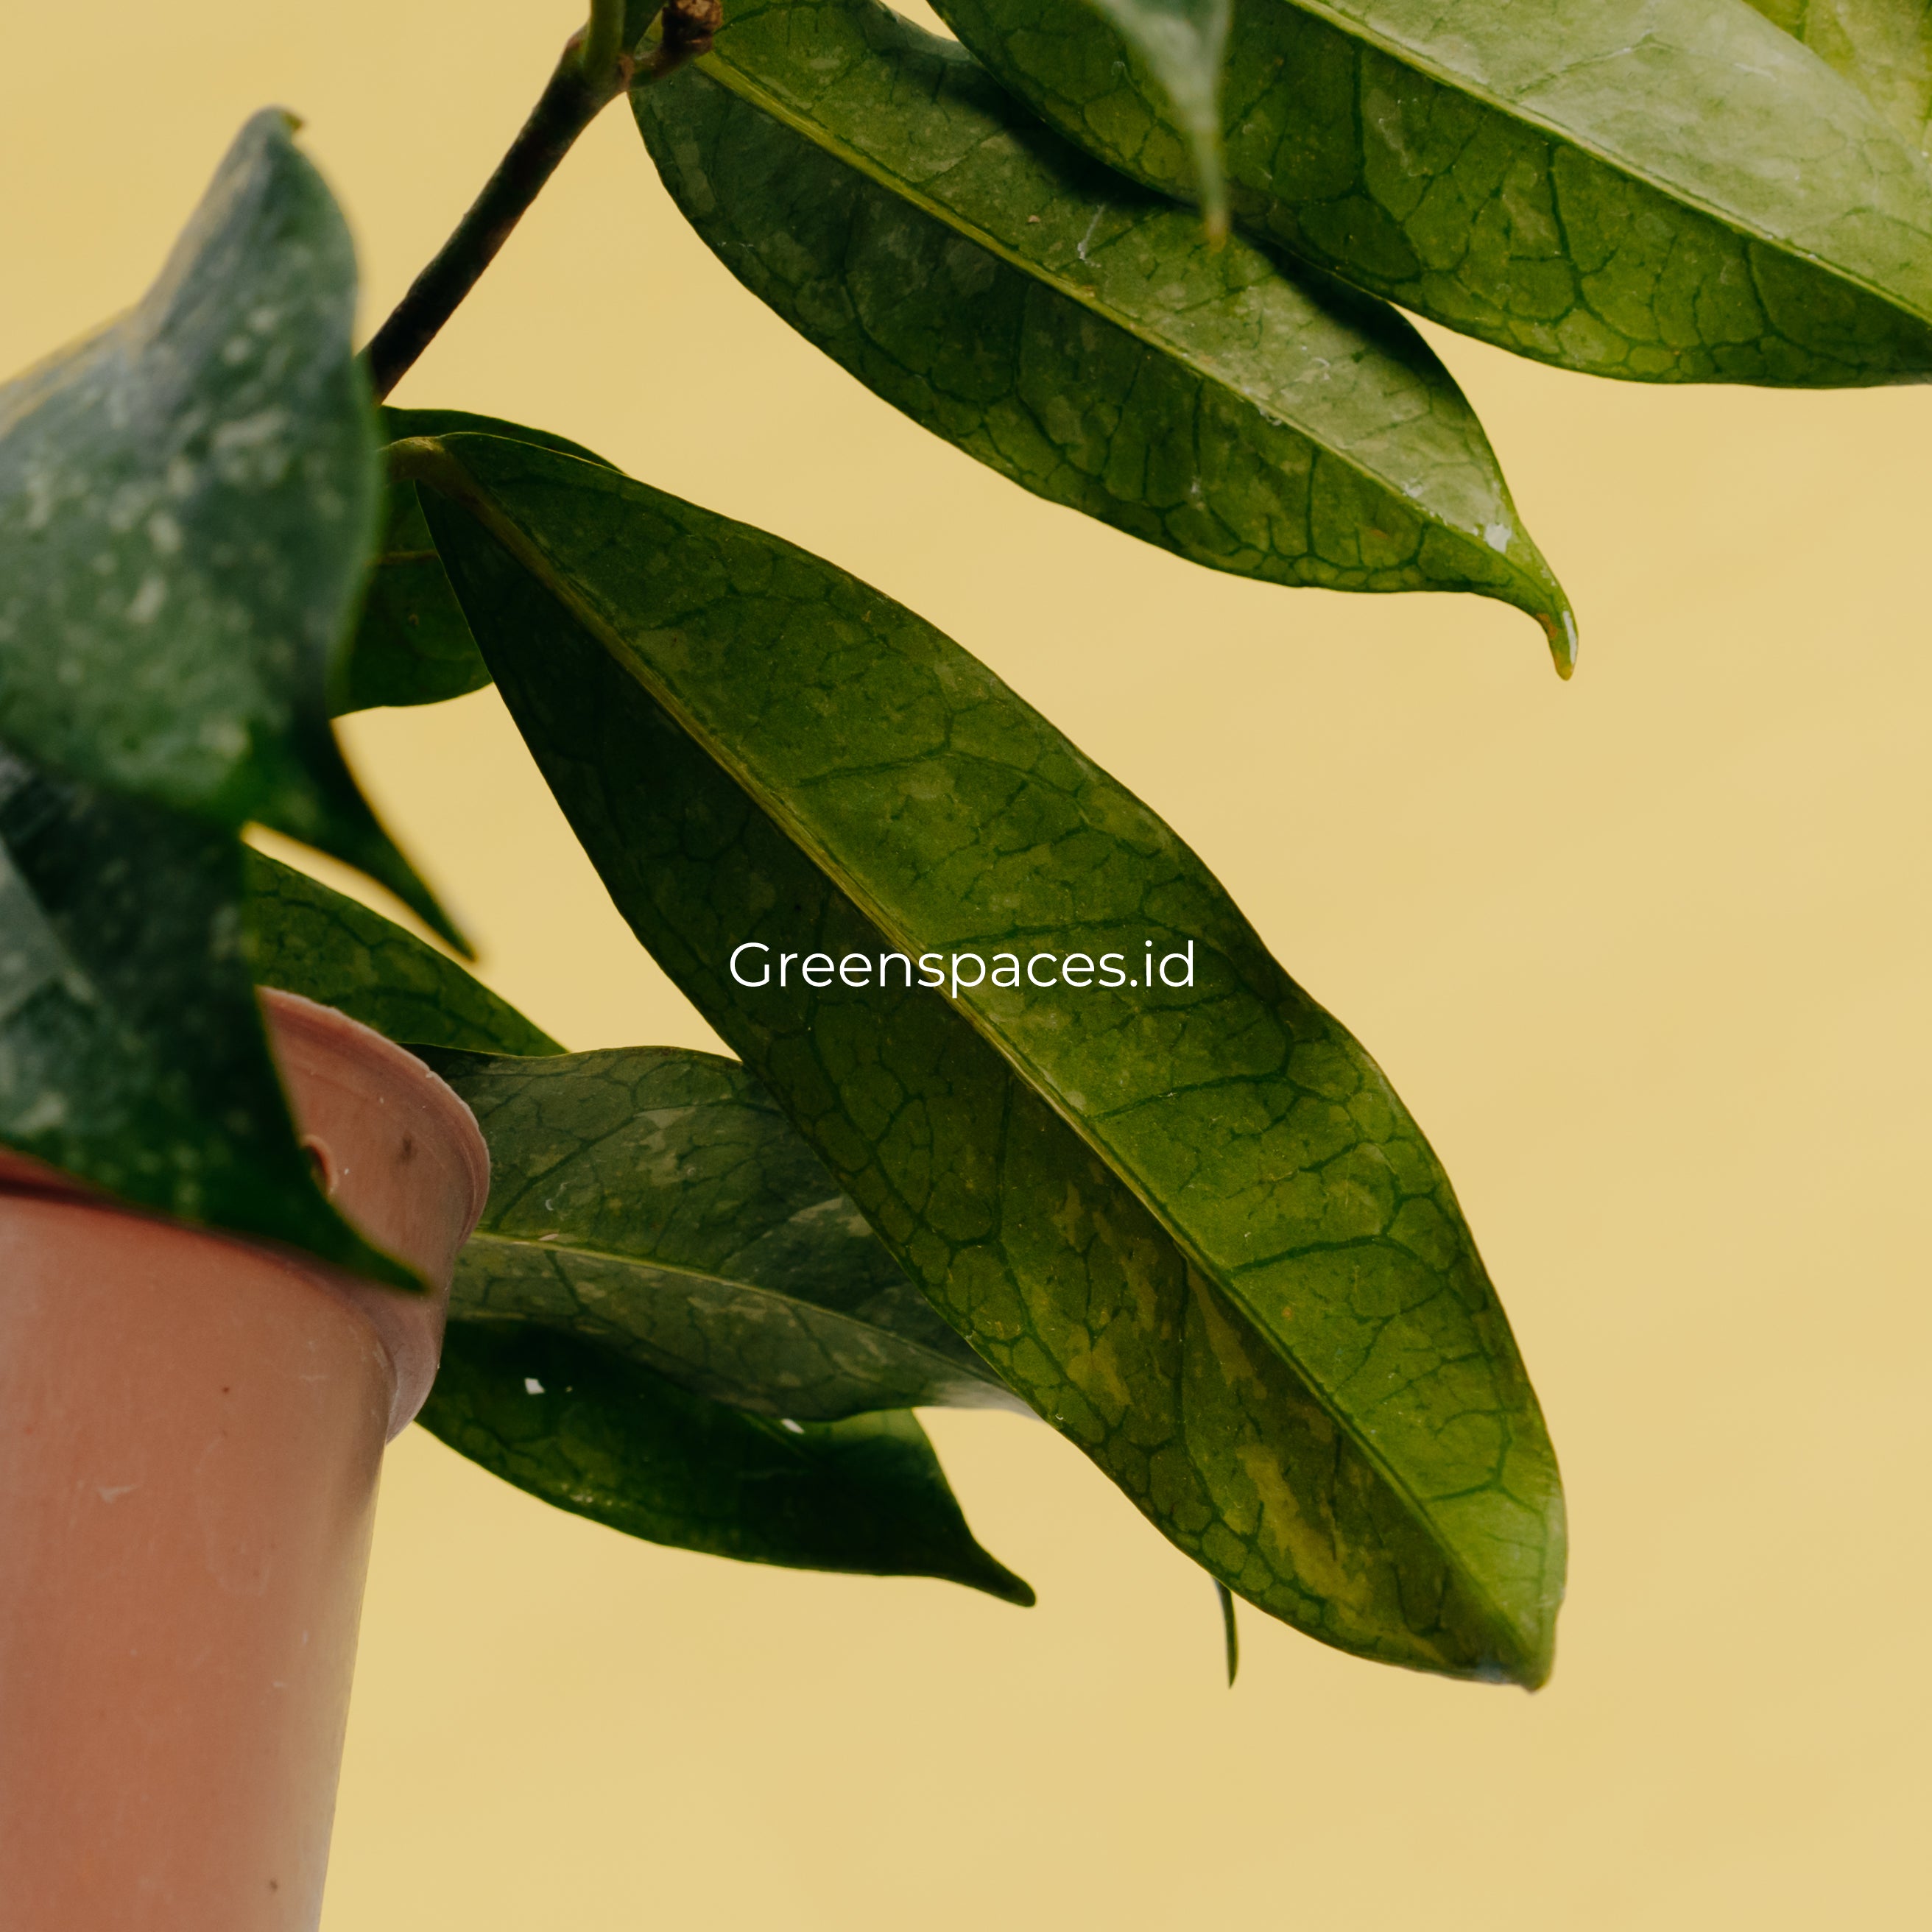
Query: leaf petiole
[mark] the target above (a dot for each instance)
(600, 61)
(603, 42)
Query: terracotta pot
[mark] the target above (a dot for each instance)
(191, 1428)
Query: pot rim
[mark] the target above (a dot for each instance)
(408, 1325)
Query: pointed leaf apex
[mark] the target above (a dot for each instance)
(996, 1580)
(1560, 627)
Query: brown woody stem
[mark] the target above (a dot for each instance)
(576, 95)
(596, 67)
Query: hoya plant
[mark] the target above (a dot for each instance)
(1024, 1113)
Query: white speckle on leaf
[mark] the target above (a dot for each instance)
(251, 432)
(226, 737)
(532, 1386)
(1496, 536)
(40, 491)
(253, 449)
(164, 533)
(786, 1422)
(148, 599)
(47, 1111)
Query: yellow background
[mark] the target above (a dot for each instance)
(1647, 954)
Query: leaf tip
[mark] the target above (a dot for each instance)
(379, 858)
(1527, 1673)
(446, 929)
(1560, 627)
(1211, 180)
(976, 1567)
(1230, 1631)
(1528, 1663)
(382, 1266)
(996, 1580)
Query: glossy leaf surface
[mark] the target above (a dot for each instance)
(1192, 1224)
(187, 504)
(873, 184)
(306, 938)
(606, 1439)
(1669, 190)
(411, 643)
(132, 1052)
(655, 1201)
(1882, 47)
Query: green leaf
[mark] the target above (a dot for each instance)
(1183, 44)
(308, 940)
(872, 183)
(1664, 190)
(187, 502)
(1882, 47)
(1192, 1225)
(412, 644)
(656, 1202)
(132, 1051)
(607, 1439)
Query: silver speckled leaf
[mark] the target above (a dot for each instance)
(187, 502)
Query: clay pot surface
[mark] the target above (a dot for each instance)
(191, 1431)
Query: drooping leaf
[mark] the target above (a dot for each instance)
(873, 184)
(411, 643)
(1882, 47)
(1669, 190)
(187, 502)
(1191, 1223)
(607, 1438)
(656, 1202)
(307, 939)
(1183, 44)
(132, 1051)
